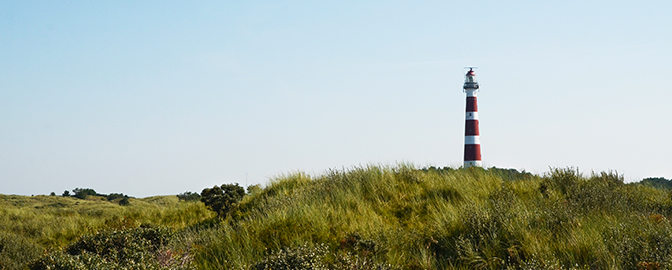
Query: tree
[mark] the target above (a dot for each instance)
(658, 182)
(222, 199)
(81, 193)
(189, 196)
(66, 193)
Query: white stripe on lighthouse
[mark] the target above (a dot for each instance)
(473, 163)
(472, 140)
(472, 115)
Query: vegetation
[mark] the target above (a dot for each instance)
(658, 182)
(82, 193)
(144, 247)
(33, 225)
(189, 196)
(222, 199)
(445, 219)
(370, 217)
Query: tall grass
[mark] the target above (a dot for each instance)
(390, 217)
(449, 219)
(31, 226)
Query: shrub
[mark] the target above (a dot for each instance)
(301, 257)
(318, 257)
(189, 196)
(114, 196)
(124, 201)
(144, 247)
(222, 199)
(658, 182)
(81, 193)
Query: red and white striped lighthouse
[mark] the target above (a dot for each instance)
(472, 142)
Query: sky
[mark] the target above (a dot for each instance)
(162, 97)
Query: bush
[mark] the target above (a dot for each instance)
(302, 257)
(222, 199)
(318, 257)
(114, 196)
(120, 197)
(658, 182)
(81, 193)
(144, 247)
(189, 196)
(124, 202)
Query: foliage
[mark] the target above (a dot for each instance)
(222, 199)
(29, 225)
(143, 247)
(16, 251)
(124, 201)
(316, 258)
(114, 196)
(81, 193)
(189, 196)
(658, 182)
(444, 218)
(119, 198)
(373, 217)
(301, 257)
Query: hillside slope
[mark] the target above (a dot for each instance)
(31, 225)
(402, 217)
(373, 217)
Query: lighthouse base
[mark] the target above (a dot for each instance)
(473, 163)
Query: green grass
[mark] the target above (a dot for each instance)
(389, 217)
(450, 219)
(44, 223)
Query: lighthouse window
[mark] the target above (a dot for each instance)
(470, 79)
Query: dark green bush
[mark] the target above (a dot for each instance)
(222, 199)
(658, 182)
(189, 196)
(114, 196)
(302, 257)
(144, 247)
(120, 198)
(319, 257)
(81, 193)
(124, 201)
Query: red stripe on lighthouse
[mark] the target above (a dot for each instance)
(471, 104)
(471, 128)
(472, 152)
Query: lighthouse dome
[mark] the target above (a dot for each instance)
(469, 80)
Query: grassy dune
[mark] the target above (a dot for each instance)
(384, 217)
(32, 225)
(448, 219)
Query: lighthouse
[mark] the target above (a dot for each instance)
(472, 142)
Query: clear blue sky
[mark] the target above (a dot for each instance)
(161, 97)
